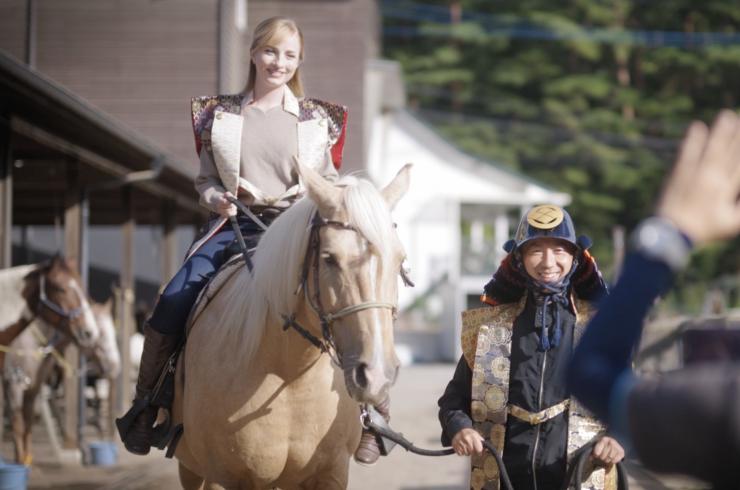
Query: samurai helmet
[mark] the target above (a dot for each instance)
(546, 221)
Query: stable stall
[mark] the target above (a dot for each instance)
(64, 162)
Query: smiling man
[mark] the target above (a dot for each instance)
(509, 386)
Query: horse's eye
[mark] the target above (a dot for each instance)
(329, 259)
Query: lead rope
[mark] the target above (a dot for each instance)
(381, 428)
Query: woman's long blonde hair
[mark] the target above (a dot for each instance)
(270, 30)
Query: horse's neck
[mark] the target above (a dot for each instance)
(9, 334)
(287, 352)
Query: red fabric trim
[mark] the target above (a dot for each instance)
(488, 300)
(338, 148)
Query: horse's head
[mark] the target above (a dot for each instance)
(352, 267)
(54, 293)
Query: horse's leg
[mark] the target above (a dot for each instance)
(29, 398)
(28, 406)
(334, 477)
(188, 479)
(17, 425)
(215, 486)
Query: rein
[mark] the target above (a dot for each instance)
(311, 263)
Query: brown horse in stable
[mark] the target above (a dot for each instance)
(263, 406)
(51, 295)
(32, 359)
(51, 291)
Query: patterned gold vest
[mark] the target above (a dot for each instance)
(486, 344)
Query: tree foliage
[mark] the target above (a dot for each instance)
(587, 97)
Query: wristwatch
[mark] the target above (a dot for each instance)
(659, 239)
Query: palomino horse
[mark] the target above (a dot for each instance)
(263, 407)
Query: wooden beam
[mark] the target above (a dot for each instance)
(6, 198)
(127, 298)
(72, 250)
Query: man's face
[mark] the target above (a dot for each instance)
(547, 260)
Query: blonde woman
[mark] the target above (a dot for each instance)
(246, 144)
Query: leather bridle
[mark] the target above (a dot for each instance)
(311, 263)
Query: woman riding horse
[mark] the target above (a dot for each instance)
(246, 144)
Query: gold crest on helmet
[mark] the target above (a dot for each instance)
(545, 217)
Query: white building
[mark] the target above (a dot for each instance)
(454, 220)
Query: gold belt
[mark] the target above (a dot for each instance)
(535, 418)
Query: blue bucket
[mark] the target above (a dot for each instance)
(13, 477)
(102, 453)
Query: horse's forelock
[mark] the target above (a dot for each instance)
(369, 214)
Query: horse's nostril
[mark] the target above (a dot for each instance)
(360, 375)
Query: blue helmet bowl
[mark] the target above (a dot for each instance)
(546, 221)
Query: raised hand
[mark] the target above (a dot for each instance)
(701, 195)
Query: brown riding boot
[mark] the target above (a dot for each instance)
(368, 450)
(158, 347)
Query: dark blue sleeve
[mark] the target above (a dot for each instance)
(606, 347)
(454, 405)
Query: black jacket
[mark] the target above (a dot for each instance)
(537, 381)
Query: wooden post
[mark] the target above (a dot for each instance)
(6, 219)
(169, 241)
(6, 198)
(72, 250)
(127, 297)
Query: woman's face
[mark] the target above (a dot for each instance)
(277, 61)
(547, 260)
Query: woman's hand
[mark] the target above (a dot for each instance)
(607, 451)
(467, 442)
(223, 206)
(701, 195)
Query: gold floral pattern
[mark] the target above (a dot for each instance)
(477, 479)
(490, 468)
(500, 367)
(486, 343)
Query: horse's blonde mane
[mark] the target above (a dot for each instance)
(253, 301)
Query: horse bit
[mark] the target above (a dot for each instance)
(326, 344)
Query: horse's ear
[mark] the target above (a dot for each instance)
(71, 264)
(393, 192)
(320, 190)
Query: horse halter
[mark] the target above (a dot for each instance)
(326, 344)
(66, 315)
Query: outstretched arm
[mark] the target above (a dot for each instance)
(699, 204)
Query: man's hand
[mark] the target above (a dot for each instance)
(607, 451)
(467, 442)
(223, 206)
(701, 195)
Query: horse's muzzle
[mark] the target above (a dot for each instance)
(369, 384)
